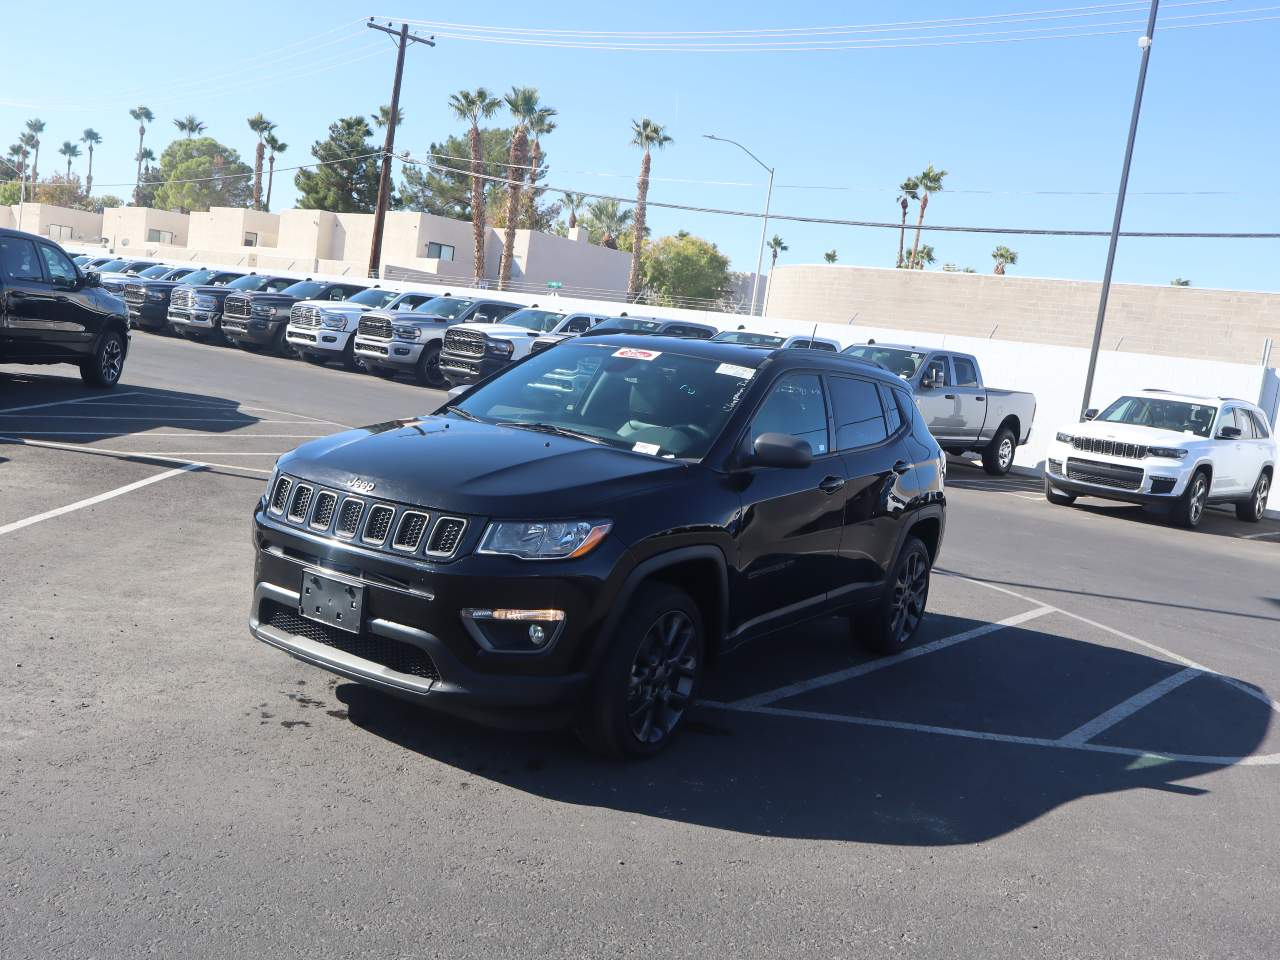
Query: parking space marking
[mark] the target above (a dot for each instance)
(72, 416)
(1259, 536)
(59, 403)
(231, 405)
(1105, 721)
(144, 455)
(840, 676)
(110, 494)
(188, 435)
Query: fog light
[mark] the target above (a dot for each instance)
(513, 631)
(537, 636)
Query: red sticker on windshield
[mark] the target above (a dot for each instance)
(631, 353)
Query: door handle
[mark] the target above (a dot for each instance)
(948, 396)
(980, 399)
(831, 484)
(901, 467)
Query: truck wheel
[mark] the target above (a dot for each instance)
(104, 368)
(1189, 508)
(1057, 497)
(892, 624)
(997, 458)
(649, 676)
(281, 346)
(1255, 508)
(349, 359)
(428, 368)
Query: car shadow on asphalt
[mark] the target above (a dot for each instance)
(853, 767)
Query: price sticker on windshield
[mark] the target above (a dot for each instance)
(632, 353)
(733, 370)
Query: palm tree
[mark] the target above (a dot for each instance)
(606, 220)
(144, 116)
(573, 202)
(646, 135)
(384, 117)
(472, 105)
(70, 151)
(541, 125)
(91, 138)
(829, 256)
(18, 160)
(1004, 257)
(927, 183)
(35, 127)
(524, 107)
(27, 140)
(274, 146)
(261, 126)
(189, 125)
(145, 156)
(776, 246)
(908, 192)
(924, 255)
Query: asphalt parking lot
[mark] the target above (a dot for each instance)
(1080, 758)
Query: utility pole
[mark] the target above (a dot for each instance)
(764, 223)
(404, 38)
(1145, 43)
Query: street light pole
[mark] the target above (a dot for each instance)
(764, 225)
(1145, 43)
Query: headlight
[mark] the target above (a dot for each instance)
(260, 310)
(155, 294)
(1065, 437)
(1170, 453)
(202, 302)
(501, 346)
(333, 321)
(406, 332)
(544, 539)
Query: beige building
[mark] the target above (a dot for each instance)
(1168, 321)
(58, 223)
(137, 229)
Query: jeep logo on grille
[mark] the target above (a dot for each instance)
(358, 483)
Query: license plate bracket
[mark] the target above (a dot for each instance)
(333, 601)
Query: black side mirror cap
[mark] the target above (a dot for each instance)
(1091, 413)
(1229, 433)
(780, 450)
(93, 279)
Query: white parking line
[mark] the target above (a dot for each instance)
(144, 455)
(72, 416)
(840, 676)
(81, 504)
(59, 403)
(1259, 536)
(191, 434)
(1121, 711)
(230, 405)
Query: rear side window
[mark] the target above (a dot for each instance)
(795, 406)
(1245, 423)
(18, 259)
(966, 372)
(859, 417)
(896, 407)
(1259, 426)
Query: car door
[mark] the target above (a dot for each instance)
(971, 397)
(939, 404)
(1229, 456)
(789, 533)
(1253, 448)
(28, 307)
(75, 322)
(869, 429)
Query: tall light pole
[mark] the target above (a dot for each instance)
(1145, 43)
(764, 224)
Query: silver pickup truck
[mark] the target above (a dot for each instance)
(962, 413)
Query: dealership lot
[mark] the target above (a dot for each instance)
(1079, 759)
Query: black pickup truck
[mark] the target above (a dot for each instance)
(258, 319)
(195, 311)
(147, 297)
(50, 312)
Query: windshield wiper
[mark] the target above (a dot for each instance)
(453, 408)
(551, 428)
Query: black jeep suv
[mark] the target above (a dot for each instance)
(50, 312)
(577, 538)
(258, 318)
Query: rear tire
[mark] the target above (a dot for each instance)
(1188, 510)
(104, 369)
(349, 359)
(1255, 508)
(892, 624)
(1057, 497)
(428, 368)
(649, 677)
(997, 458)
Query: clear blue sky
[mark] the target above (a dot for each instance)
(1013, 118)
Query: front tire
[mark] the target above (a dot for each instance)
(895, 620)
(428, 368)
(1057, 497)
(997, 458)
(649, 677)
(1255, 508)
(349, 359)
(104, 368)
(1188, 510)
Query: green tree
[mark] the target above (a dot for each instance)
(908, 191)
(830, 256)
(648, 136)
(344, 180)
(189, 125)
(71, 152)
(1004, 257)
(261, 126)
(35, 127)
(923, 256)
(684, 266)
(573, 203)
(606, 221)
(776, 246)
(525, 108)
(927, 183)
(445, 186)
(383, 116)
(144, 116)
(471, 106)
(200, 173)
(90, 138)
(274, 146)
(10, 193)
(1179, 282)
(540, 126)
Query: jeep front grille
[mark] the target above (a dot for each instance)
(1104, 474)
(280, 496)
(409, 533)
(445, 536)
(378, 524)
(301, 502)
(1110, 448)
(379, 327)
(349, 517)
(326, 502)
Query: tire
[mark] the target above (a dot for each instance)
(349, 359)
(893, 623)
(280, 345)
(997, 458)
(1188, 510)
(104, 368)
(649, 676)
(1057, 497)
(428, 369)
(1255, 508)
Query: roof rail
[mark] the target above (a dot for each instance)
(1156, 390)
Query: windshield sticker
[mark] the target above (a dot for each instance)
(649, 448)
(632, 353)
(733, 370)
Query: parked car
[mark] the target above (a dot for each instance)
(50, 312)
(91, 262)
(1175, 450)
(391, 343)
(258, 319)
(652, 326)
(775, 341)
(320, 331)
(531, 557)
(960, 410)
(195, 309)
(148, 295)
(471, 352)
(114, 273)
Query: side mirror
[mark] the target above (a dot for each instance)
(780, 450)
(1091, 413)
(1229, 433)
(93, 279)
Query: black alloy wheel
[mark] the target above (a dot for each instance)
(892, 624)
(660, 687)
(106, 365)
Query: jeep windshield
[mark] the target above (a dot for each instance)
(543, 321)
(1179, 416)
(442, 308)
(904, 363)
(373, 298)
(654, 402)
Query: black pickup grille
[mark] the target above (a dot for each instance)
(1110, 448)
(392, 654)
(236, 305)
(134, 294)
(1104, 474)
(467, 343)
(379, 327)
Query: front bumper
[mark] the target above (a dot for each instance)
(317, 339)
(1115, 478)
(261, 330)
(460, 369)
(195, 321)
(149, 313)
(403, 354)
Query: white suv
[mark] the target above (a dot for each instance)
(322, 330)
(1158, 447)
